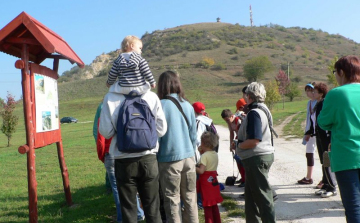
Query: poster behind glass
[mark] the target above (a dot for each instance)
(46, 102)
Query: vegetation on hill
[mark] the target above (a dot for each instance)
(210, 58)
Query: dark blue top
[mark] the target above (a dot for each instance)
(254, 131)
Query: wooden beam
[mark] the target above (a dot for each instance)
(22, 40)
(56, 65)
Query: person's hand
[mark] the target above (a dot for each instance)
(306, 138)
(153, 85)
(232, 147)
(200, 149)
(107, 85)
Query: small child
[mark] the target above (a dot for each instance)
(130, 68)
(208, 184)
(240, 104)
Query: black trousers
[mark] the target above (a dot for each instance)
(140, 174)
(329, 179)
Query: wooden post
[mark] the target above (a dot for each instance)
(64, 173)
(29, 125)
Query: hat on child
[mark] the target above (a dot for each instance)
(240, 103)
(198, 107)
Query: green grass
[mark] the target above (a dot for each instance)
(232, 207)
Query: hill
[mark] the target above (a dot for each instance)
(184, 48)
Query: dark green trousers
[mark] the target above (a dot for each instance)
(140, 174)
(259, 204)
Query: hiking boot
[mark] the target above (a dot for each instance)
(305, 181)
(328, 194)
(320, 192)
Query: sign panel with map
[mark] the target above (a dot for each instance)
(46, 100)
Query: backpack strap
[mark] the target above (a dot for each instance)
(272, 130)
(178, 106)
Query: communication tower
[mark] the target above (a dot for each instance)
(251, 20)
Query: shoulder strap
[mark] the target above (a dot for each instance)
(272, 130)
(178, 106)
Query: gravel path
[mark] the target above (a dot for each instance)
(296, 203)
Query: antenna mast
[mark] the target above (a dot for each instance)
(251, 20)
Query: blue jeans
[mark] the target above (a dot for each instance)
(349, 185)
(110, 169)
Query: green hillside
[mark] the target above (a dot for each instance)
(229, 46)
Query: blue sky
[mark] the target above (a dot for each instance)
(93, 27)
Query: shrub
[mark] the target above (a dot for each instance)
(232, 51)
(184, 66)
(218, 66)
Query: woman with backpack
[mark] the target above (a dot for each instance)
(176, 156)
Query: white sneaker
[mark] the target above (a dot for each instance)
(328, 194)
(320, 192)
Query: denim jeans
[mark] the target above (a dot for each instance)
(349, 185)
(110, 169)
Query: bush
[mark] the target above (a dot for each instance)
(235, 58)
(218, 66)
(232, 51)
(184, 66)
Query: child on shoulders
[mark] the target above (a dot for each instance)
(208, 184)
(131, 70)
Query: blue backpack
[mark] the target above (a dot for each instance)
(136, 127)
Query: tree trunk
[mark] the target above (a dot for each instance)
(8, 141)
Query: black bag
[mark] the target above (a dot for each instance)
(230, 181)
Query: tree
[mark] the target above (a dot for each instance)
(283, 82)
(10, 120)
(272, 94)
(331, 77)
(293, 91)
(256, 67)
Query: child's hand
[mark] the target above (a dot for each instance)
(306, 138)
(107, 85)
(153, 86)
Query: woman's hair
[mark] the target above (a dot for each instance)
(244, 89)
(256, 91)
(169, 82)
(350, 65)
(310, 86)
(226, 113)
(322, 89)
(209, 140)
(127, 41)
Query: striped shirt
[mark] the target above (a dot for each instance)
(131, 72)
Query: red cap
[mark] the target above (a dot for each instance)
(240, 103)
(198, 107)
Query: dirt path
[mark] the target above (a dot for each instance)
(296, 203)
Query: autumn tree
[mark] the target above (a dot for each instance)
(255, 68)
(9, 119)
(283, 82)
(331, 77)
(272, 94)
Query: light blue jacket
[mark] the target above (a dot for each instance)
(179, 142)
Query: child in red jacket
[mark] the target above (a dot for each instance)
(208, 184)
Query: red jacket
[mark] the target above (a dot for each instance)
(102, 145)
